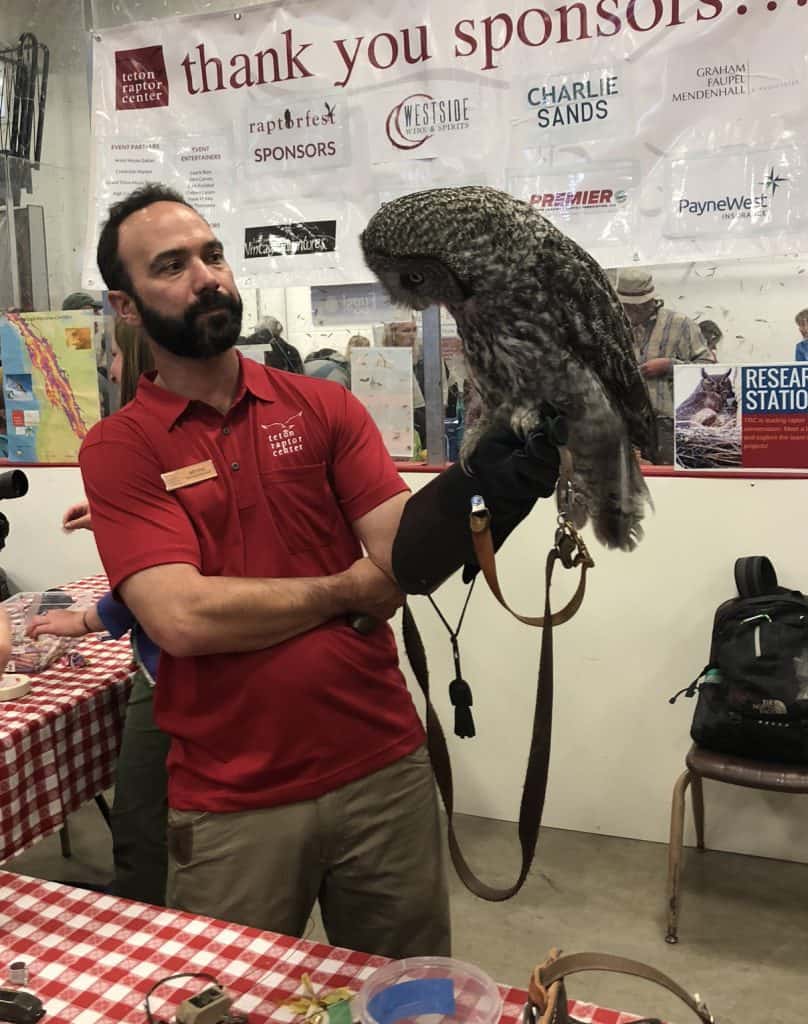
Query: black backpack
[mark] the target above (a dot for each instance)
(753, 694)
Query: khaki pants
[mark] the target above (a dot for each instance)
(371, 852)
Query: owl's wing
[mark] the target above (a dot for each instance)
(596, 331)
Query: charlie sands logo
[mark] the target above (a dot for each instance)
(577, 101)
(141, 80)
(303, 239)
(285, 436)
(732, 207)
(414, 120)
(583, 199)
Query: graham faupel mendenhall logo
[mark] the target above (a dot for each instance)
(141, 80)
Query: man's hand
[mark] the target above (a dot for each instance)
(372, 591)
(657, 368)
(59, 622)
(516, 469)
(77, 517)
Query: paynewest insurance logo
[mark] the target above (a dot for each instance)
(740, 205)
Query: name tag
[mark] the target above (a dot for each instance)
(188, 475)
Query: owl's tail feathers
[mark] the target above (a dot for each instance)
(613, 494)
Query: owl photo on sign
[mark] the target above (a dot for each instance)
(540, 324)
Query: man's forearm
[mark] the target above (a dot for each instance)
(217, 615)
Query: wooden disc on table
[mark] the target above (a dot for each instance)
(13, 686)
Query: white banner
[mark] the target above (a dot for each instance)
(651, 131)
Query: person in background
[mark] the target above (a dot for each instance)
(278, 352)
(801, 349)
(355, 341)
(83, 300)
(131, 357)
(328, 364)
(140, 805)
(712, 335)
(662, 338)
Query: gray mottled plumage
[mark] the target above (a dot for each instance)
(539, 322)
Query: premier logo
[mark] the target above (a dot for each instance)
(584, 199)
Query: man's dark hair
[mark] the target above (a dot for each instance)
(112, 269)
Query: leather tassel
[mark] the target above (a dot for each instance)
(460, 696)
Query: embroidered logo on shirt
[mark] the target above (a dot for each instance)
(285, 436)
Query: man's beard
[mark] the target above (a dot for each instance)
(200, 333)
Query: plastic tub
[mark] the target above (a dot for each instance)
(429, 990)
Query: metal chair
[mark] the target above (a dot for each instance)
(737, 771)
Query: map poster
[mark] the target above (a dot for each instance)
(382, 379)
(741, 417)
(50, 383)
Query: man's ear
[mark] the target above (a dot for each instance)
(124, 306)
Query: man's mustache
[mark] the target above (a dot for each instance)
(212, 301)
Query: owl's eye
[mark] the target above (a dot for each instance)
(412, 280)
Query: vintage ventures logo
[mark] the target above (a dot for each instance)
(419, 117)
(574, 102)
(583, 199)
(141, 80)
(739, 206)
(303, 239)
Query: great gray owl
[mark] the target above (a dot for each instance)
(539, 322)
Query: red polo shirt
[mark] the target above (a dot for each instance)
(297, 461)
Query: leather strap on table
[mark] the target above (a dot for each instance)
(535, 784)
(557, 969)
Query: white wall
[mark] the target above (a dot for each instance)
(642, 634)
(37, 553)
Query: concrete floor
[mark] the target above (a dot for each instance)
(743, 929)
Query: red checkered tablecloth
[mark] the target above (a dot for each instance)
(59, 743)
(91, 958)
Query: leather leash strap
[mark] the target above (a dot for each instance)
(569, 550)
(546, 974)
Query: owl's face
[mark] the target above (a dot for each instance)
(417, 281)
(447, 245)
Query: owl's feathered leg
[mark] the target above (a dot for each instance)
(608, 486)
